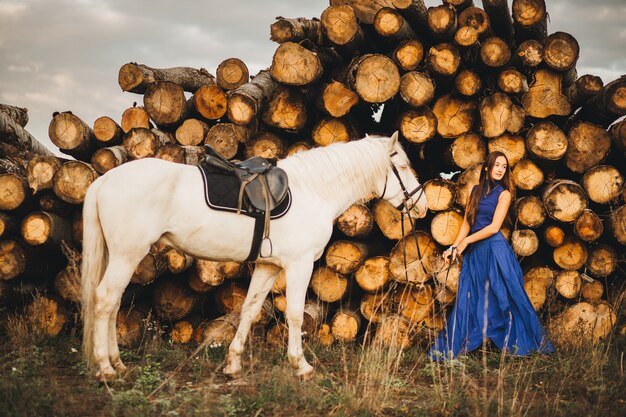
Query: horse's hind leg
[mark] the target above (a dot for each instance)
(107, 299)
(114, 350)
(260, 284)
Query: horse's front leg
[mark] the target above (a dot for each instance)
(260, 285)
(298, 275)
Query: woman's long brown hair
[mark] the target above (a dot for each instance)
(486, 180)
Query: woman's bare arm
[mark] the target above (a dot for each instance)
(504, 201)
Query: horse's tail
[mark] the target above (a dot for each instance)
(93, 265)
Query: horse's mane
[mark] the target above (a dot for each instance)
(340, 168)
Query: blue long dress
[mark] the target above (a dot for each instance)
(491, 301)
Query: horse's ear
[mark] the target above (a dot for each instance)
(393, 140)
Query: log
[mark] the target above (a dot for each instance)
(220, 331)
(560, 51)
(374, 307)
(389, 220)
(296, 30)
(286, 109)
(530, 19)
(105, 159)
(165, 103)
(546, 141)
(524, 242)
(178, 261)
(71, 180)
(466, 181)
(136, 78)
(529, 211)
(173, 299)
(526, 175)
(18, 114)
(466, 151)
(331, 130)
(12, 259)
(606, 106)
(266, 145)
(618, 224)
(509, 144)
(48, 201)
(568, 283)
(206, 275)
(602, 260)
(324, 336)
(192, 132)
(588, 145)
(499, 115)
(135, 117)
(588, 226)
(77, 227)
(414, 303)
(345, 325)
(230, 297)
(72, 136)
(43, 228)
(448, 274)
(417, 89)
(231, 74)
(209, 101)
(337, 99)
(554, 235)
(394, 332)
(571, 255)
(280, 302)
(140, 142)
(390, 24)
(345, 256)
(440, 194)
(536, 283)
(46, 315)
(150, 267)
(293, 64)
(466, 37)
(130, 326)
(13, 132)
(312, 318)
(445, 226)
(356, 221)
(444, 59)
(416, 13)
(582, 323)
(408, 55)
(512, 81)
(329, 286)
(544, 97)
(564, 200)
(296, 147)
(40, 171)
(107, 132)
(182, 332)
(530, 53)
(342, 27)
(455, 115)
(477, 18)
(468, 83)
(225, 138)
(67, 284)
(245, 102)
(373, 274)
(592, 291)
(418, 125)
(494, 52)
(500, 19)
(417, 269)
(585, 87)
(442, 22)
(443, 296)
(374, 77)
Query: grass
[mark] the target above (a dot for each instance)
(46, 376)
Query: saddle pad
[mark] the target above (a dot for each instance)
(221, 192)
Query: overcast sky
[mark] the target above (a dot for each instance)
(58, 55)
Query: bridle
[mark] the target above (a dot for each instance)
(402, 208)
(407, 195)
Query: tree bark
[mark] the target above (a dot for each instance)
(136, 78)
(531, 20)
(13, 132)
(72, 136)
(18, 114)
(43, 228)
(105, 159)
(246, 101)
(296, 30)
(585, 87)
(606, 106)
(500, 19)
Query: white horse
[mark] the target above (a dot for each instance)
(133, 206)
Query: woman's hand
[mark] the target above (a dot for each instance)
(460, 249)
(454, 251)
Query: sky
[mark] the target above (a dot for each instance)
(58, 55)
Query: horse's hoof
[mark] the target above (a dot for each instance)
(105, 375)
(120, 368)
(232, 371)
(306, 372)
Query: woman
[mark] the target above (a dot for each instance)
(491, 301)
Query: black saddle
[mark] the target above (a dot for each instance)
(262, 190)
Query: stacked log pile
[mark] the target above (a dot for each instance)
(457, 81)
